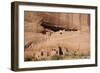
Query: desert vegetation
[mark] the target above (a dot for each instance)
(56, 36)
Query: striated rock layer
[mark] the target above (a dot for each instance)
(54, 36)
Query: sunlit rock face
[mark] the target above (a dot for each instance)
(54, 36)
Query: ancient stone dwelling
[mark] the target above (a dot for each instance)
(53, 36)
(44, 53)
